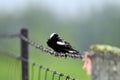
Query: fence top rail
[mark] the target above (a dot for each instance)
(41, 47)
(14, 55)
(9, 35)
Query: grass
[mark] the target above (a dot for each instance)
(11, 68)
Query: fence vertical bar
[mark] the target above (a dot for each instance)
(24, 54)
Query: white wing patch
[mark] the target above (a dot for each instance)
(71, 51)
(60, 43)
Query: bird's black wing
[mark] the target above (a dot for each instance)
(66, 45)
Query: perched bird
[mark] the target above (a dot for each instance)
(60, 45)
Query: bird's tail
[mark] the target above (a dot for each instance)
(76, 53)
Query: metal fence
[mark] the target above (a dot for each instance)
(25, 62)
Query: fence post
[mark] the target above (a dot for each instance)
(106, 66)
(24, 54)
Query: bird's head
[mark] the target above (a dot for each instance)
(54, 35)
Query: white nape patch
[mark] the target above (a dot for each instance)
(52, 35)
(60, 43)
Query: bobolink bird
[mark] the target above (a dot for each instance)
(59, 45)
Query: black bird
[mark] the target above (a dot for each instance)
(60, 45)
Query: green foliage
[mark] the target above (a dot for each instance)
(100, 27)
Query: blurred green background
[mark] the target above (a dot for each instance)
(81, 23)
